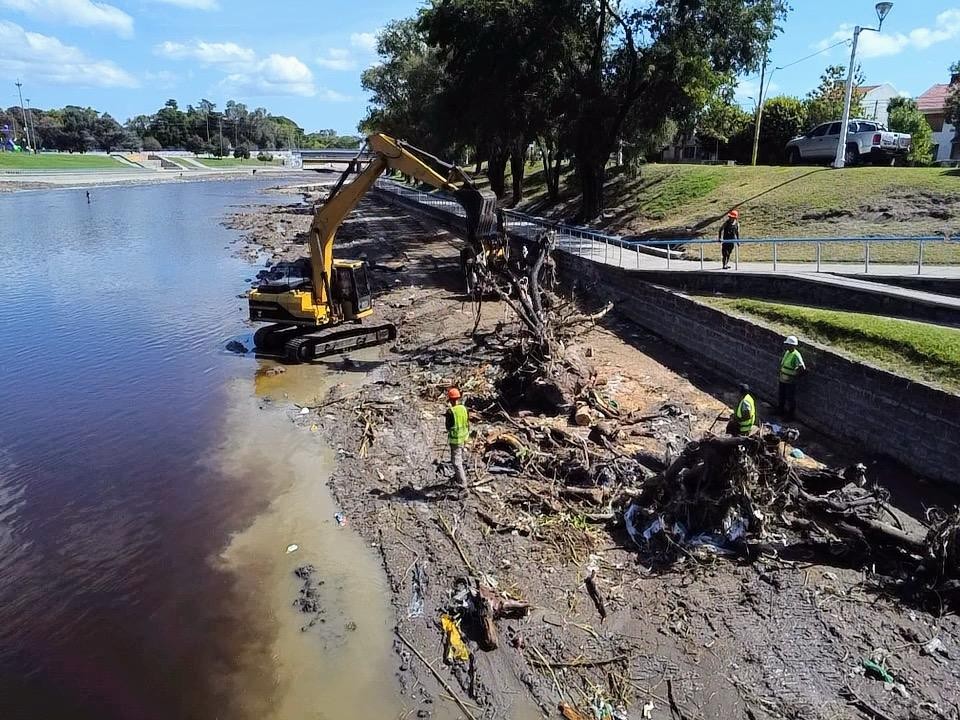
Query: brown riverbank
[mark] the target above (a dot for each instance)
(709, 639)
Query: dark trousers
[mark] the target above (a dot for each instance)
(727, 249)
(787, 399)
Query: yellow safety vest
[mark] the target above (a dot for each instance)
(790, 365)
(458, 434)
(746, 413)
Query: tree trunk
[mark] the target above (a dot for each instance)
(591, 174)
(497, 170)
(552, 160)
(517, 167)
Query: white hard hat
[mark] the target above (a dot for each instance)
(791, 340)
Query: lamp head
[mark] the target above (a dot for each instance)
(883, 9)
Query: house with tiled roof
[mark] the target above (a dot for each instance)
(876, 101)
(932, 104)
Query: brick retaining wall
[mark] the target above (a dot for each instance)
(913, 423)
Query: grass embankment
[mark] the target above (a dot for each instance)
(57, 161)
(780, 202)
(916, 350)
(231, 162)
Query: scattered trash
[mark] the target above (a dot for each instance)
(876, 670)
(797, 453)
(292, 548)
(340, 518)
(418, 591)
(305, 411)
(935, 646)
(648, 709)
(455, 650)
(314, 427)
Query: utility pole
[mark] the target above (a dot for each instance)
(33, 129)
(883, 9)
(23, 112)
(756, 124)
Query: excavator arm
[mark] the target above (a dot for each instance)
(391, 154)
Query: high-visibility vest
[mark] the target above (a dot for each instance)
(790, 365)
(458, 434)
(746, 413)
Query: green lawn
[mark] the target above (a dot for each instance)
(917, 350)
(777, 202)
(57, 161)
(231, 162)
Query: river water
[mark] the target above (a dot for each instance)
(148, 491)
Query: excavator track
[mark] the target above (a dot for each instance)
(305, 348)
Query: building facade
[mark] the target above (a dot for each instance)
(876, 101)
(946, 144)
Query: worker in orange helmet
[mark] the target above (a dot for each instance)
(458, 430)
(729, 232)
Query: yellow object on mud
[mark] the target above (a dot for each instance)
(456, 650)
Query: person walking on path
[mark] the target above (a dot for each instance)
(458, 430)
(729, 233)
(744, 416)
(791, 368)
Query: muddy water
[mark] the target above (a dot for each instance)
(146, 499)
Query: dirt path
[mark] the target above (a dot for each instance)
(710, 639)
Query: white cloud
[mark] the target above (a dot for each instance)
(193, 4)
(337, 59)
(872, 45)
(43, 58)
(749, 88)
(332, 95)
(81, 13)
(366, 41)
(274, 75)
(161, 79)
(208, 53)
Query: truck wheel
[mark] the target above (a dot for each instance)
(851, 156)
(793, 157)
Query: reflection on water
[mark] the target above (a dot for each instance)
(119, 481)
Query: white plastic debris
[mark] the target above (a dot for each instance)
(292, 548)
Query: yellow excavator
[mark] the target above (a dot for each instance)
(305, 300)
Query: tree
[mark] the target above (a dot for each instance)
(649, 64)
(825, 104)
(242, 151)
(109, 134)
(151, 144)
(952, 105)
(721, 118)
(784, 118)
(903, 116)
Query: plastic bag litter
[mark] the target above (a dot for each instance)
(292, 548)
(456, 650)
(340, 518)
(797, 453)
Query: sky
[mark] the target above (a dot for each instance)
(303, 58)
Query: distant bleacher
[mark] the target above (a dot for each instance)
(322, 159)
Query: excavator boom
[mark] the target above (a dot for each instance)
(331, 291)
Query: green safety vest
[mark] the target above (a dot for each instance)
(457, 435)
(790, 365)
(746, 413)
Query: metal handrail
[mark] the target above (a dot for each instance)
(516, 219)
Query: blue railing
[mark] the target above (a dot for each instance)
(608, 248)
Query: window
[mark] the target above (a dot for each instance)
(936, 152)
(819, 131)
(955, 151)
(936, 122)
(863, 127)
(834, 129)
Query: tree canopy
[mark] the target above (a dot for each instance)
(903, 116)
(576, 77)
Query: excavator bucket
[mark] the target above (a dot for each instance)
(481, 209)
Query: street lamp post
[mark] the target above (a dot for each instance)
(883, 9)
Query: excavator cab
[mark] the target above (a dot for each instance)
(351, 289)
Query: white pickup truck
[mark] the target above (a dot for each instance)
(867, 141)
